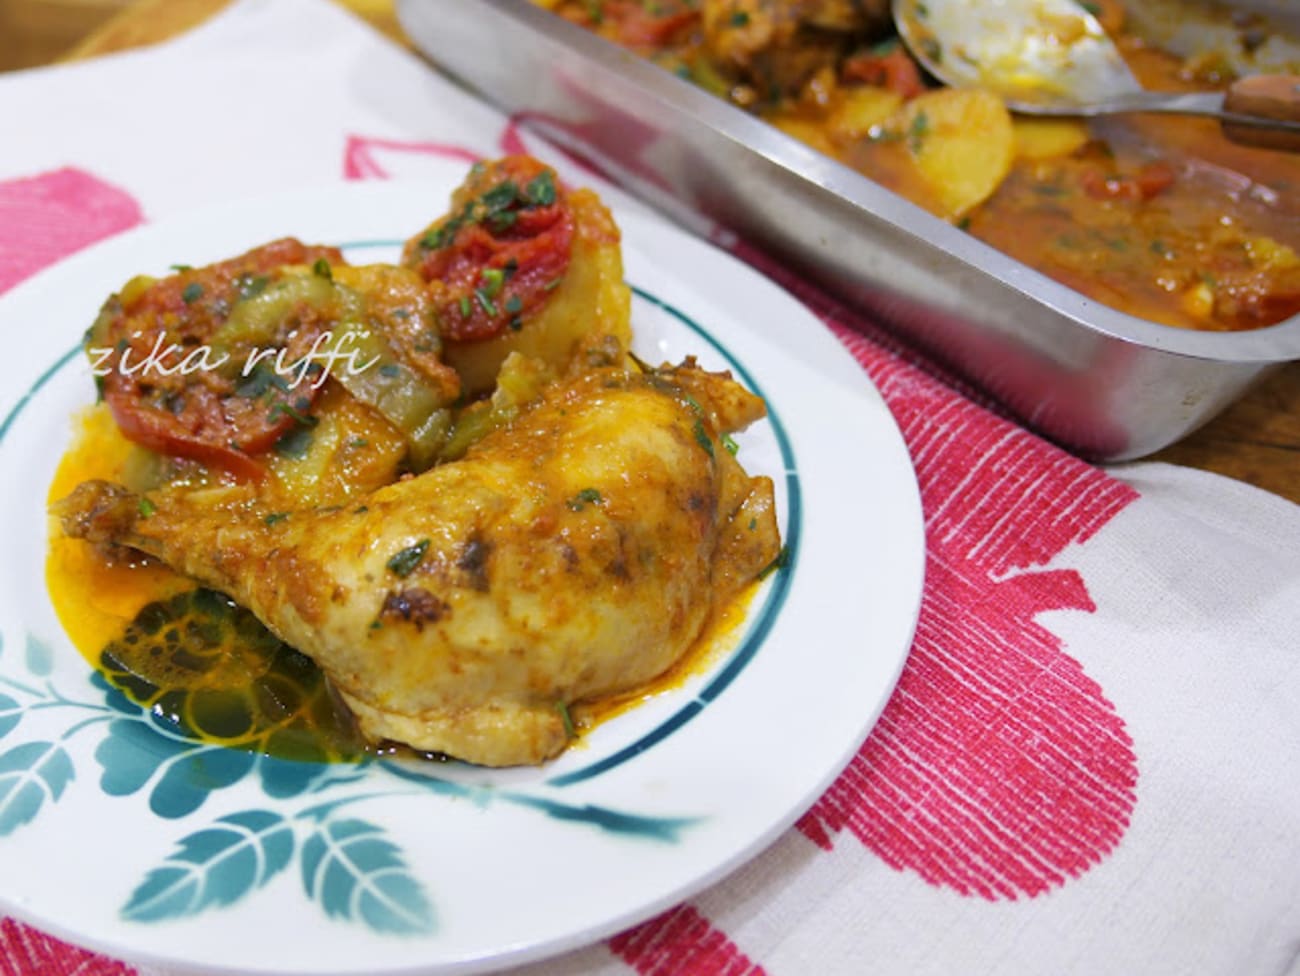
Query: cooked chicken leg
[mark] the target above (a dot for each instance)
(572, 554)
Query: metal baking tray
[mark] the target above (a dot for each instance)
(1107, 385)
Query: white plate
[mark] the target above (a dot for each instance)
(110, 836)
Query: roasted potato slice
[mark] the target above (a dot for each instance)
(1038, 139)
(962, 143)
(591, 300)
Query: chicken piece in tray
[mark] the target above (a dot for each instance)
(573, 553)
(774, 46)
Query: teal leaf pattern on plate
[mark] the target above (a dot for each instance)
(284, 779)
(114, 697)
(11, 714)
(218, 865)
(135, 752)
(30, 774)
(355, 872)
(614, 821)
(40, 659)
(189, 777)
(350, 867)
(131, 754)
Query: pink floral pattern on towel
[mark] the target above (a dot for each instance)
(47, 217)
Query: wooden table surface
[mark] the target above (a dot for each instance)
(1257, 440)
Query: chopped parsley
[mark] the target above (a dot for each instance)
(588, 496)
(286, 409)
(260, 381)
(497, 208)
(780, 562)
(702, 437)
(485, 302)
(403, 563)
(567, 719)
(500, 197)
(437, 238)
(493, 280)
(540, 190)
(295, 444)
(250, 285)
(917, 131)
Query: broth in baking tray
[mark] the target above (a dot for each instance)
(1160, 217)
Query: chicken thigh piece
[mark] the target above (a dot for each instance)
(575, 553)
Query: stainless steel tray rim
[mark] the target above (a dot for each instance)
(1268, 344)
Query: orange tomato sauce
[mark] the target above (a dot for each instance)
(93, 597)
(1159, 216)
(721, 636)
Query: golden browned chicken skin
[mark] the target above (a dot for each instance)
(575, 553)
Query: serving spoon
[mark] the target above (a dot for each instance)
(1052, 57)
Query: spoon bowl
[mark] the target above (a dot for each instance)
(1052, 57)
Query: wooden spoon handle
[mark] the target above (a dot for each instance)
(1275, 97)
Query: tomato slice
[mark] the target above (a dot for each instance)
(641, 26)
(166, 390)
(1151, 180)
(494, 259)
(893, 69)
(195, 435)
